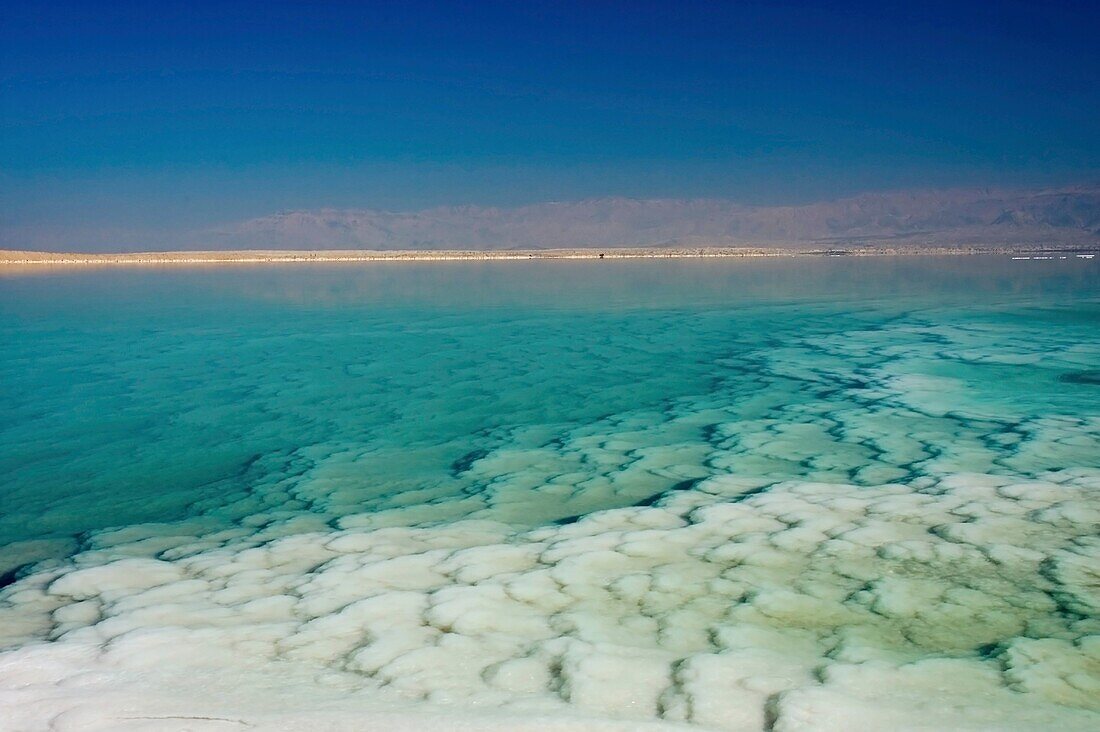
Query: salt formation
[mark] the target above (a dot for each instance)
(968, 602)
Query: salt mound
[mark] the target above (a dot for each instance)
(966, 602)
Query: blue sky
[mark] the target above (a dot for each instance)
(164, 116)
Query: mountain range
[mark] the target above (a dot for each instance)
(1069, 216)
(980, 217)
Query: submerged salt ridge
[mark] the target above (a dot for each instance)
(790, 517)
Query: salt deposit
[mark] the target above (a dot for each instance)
(969, 602)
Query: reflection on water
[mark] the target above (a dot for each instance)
(562, 284)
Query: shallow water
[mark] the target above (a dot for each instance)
(792, 493)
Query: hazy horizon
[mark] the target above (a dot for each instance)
(1051, 215)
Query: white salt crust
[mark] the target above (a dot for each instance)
(968, 602)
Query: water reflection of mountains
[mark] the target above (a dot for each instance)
(660, 284)
(574, 285)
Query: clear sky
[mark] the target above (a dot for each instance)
(160, 115)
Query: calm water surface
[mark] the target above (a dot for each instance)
(234, 407)
(150, 395)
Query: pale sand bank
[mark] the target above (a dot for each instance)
(259, 256)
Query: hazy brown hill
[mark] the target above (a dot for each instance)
(1069, 215)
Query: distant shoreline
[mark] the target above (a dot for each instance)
(32, 258)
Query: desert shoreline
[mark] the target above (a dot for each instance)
(18, 258)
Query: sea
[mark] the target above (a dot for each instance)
(774, 493)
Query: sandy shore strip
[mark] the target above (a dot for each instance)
(259, 256)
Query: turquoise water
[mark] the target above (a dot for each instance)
(157, 415)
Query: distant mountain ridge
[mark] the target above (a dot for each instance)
(935, 217)
(980, 217)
